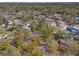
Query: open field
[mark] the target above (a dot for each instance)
(39, 29)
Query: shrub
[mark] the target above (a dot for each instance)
(53, 46)
(45, 30)
(30, 49)
(7, 49)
